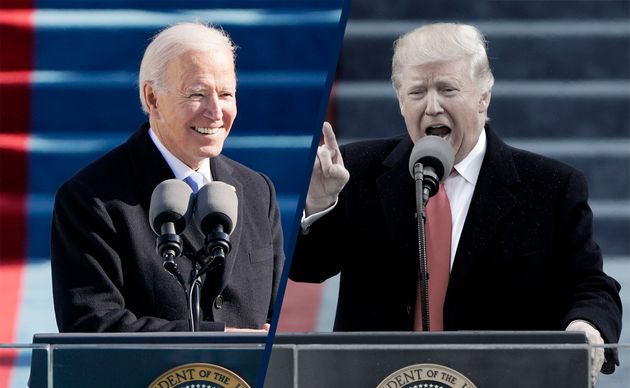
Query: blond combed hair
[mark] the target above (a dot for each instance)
(443, 42)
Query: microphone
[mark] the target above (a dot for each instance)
(169, 213)
(216, 213)
(431, 161)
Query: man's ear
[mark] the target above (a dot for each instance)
(484, 101)
(150, 96)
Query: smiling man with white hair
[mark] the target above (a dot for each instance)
(107, 275)
(519, 249)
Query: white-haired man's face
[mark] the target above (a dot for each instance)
(441, 98)
(194, 113)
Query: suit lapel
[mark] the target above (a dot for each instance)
(149, 166)
(492, 201)
(222, 171)
(397, 195)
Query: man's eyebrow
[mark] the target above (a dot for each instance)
(195, 88)
(416, 83)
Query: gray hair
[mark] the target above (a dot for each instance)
(174, 41)
(443, 42)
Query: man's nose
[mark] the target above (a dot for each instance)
(433, 104)
(213, 108)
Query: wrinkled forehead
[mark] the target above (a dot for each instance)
(459, 70)
(195, 65)
(219, 56)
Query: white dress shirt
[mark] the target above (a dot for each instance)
(179, 168)
(460, 186)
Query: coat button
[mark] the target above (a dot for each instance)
(218, 302)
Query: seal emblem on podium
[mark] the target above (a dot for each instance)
(426, 376)
(199, 375)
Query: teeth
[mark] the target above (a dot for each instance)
(207, 131)
(438, 130)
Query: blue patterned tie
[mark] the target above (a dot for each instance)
(195, 181)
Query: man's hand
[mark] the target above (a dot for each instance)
(594, 338)
(264, 330)
(329, 175)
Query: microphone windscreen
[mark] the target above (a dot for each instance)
(170, 202)
(435, 152)
(217, 204)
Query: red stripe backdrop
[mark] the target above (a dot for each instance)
(16, 65)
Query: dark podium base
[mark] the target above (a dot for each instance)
(487, 359)
(136, 360)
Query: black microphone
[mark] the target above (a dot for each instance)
(169, 213)
(216, 213)
(431, 161)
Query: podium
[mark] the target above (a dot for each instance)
(160, 360)
(433, 359)
(378, 360)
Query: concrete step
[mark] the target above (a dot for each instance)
(181, 4)
(612, 234)
(488, 9)
(532, 50)
(606, 163)
(114, 39)
(549, 109)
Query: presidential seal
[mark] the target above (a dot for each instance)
(426, 376)
(199, 375)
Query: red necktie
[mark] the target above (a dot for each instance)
(438, 228)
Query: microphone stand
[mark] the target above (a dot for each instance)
(169, 246)
(423, 275)
(194, 297)
(212, 255)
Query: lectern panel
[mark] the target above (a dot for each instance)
(444, 360)
(148, 360)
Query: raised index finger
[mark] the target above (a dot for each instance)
(329, 137)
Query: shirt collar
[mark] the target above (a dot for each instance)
(470, 166)
(179, 168)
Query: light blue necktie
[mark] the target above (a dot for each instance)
(195, 181)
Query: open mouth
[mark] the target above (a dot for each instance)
(206, 130)
(438, 130)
